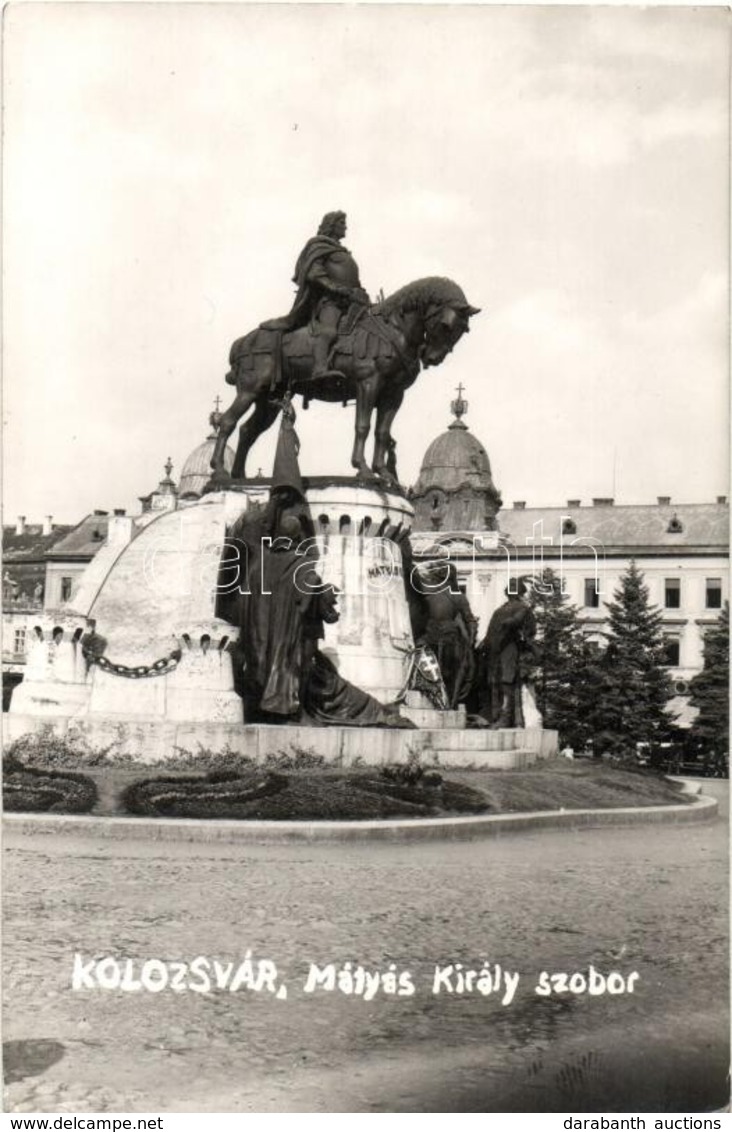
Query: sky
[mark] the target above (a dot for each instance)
(165, 163)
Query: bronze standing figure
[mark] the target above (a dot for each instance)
(503, 653)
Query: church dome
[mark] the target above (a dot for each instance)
(196, 471)
(454, 458)
(455, 489)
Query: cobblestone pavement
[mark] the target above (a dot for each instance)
(647, 899)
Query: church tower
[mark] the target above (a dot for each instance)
(455, 489)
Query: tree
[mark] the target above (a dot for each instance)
(635, 688)
(559, 671)
(710, 689)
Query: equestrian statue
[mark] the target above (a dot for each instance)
(335, 345)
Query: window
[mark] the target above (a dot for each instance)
(672, 651)
(19, 642)
(66, 587)
(592, 597)
(672, 595)
(714, 593)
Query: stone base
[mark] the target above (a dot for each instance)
(48, 698)
(154, 740)
(433, 720)
(156, 699)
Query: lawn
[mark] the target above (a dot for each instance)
(42, 773)
(561, 784)
(366, 793)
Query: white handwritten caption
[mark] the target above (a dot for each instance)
(261, 976)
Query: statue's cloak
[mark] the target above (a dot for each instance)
(272, 618)
(319, 247)
(509, 640)
(330, 700)
(511, 630)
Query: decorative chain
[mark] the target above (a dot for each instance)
(139, 672)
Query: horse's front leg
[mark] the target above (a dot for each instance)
(384, 444)
(366, 392)
(265, 413)
(238, 407)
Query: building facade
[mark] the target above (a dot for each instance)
(25, 589)
(681, 549)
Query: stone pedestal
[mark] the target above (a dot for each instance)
(151, 741)
(154, 591)
(148, 596)
(356, 526)
(55, 682)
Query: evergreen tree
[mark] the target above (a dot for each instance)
(589, 692)
(635, 688)
(561, 651)
(710, 689)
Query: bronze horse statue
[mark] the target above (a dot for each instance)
(379, 353)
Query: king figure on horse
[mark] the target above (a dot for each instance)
(335, 346)
(328, 287)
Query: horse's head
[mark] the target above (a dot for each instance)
(444, 327)
(434, 313)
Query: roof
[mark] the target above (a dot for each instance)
(84, 540)
(456, 457)
(32, 544)
(703, 526)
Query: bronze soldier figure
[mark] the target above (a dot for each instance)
(447, 626)
(508, 642)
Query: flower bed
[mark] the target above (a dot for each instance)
(222, 795)
(35, 790)
(295, 784)
(315, 796)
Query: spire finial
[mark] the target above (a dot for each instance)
(214, 418)
(459, 408)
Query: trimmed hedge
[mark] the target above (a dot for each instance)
(310, 796)
(432, 797)
(221, 794)
(30, 789)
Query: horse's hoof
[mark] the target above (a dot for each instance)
(386, 479)
(365, 475)
(218, 482)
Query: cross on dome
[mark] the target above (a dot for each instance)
(214, 418)
(459, 408)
